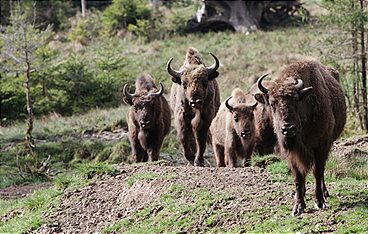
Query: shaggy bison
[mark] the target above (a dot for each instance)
(148, 118)
(232, 130)
(195, 99)
(309, 113)
(265, 136)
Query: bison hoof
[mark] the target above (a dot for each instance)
(198, 163)
(298, 209)
(320, 205)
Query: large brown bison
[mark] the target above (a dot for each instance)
(309, 113)
(149, 118)
(265, 136)
(195, 99)
(233, 130)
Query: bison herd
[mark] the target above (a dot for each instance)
(297, 115)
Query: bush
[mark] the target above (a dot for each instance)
(86, 29)
(121, 13)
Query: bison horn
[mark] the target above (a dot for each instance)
(159, 92)
(260, 86)
(127, 94)
(171, 71)
(214, 66)
(227, 104)
(299, 84)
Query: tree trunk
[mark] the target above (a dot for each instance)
(356, 81)
(363, 58)
(28, 138)
(243, 16)
(84, 7)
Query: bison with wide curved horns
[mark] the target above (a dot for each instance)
(148, 117)
(195, 99)
(309, 113)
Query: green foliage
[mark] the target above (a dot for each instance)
(121, 13)
(89, 170)
(52, 12)
(87, 29)
(31, 210)
(141, 176)
(355, 168)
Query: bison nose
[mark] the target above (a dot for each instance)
(288, 130)
(145, 124)
(195, 102)
(245, 134)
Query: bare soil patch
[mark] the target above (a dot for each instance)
(19, 191)
(102, 203)
(351, 148)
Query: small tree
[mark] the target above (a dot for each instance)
(20, 41)
(349, 51)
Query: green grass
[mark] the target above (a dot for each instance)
(172, 214)
(141, 176)
(89, 170)
(349, 194)
(56, 126)
(32, 209)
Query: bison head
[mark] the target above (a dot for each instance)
(286, 102)
(243, 118)
(194, 77)
(145, 105)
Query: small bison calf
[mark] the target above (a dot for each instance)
(148, 117)
(233, 130)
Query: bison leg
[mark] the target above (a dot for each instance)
(186, 140)
(154, 150)
(201, 139)
(230, 156)
(320, 187)
(248, 155)
(219, 155)
(138, 152)
(299, 181)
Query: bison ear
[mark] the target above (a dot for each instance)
(213, 75)
(305, 92)
(128, 101)
(262, 98)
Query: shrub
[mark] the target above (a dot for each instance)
(86, 29)
(121, 13)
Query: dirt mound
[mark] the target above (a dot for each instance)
(354, 147)
(93, 208)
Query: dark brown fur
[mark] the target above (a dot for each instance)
(146, 141)
(233, 131)
(192, 123)
(265, 136)
(318, 117)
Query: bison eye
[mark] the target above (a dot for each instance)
(236, 117)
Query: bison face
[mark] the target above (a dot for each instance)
(144, 106)
(243, 118)
(286, 103)
(194, 79)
